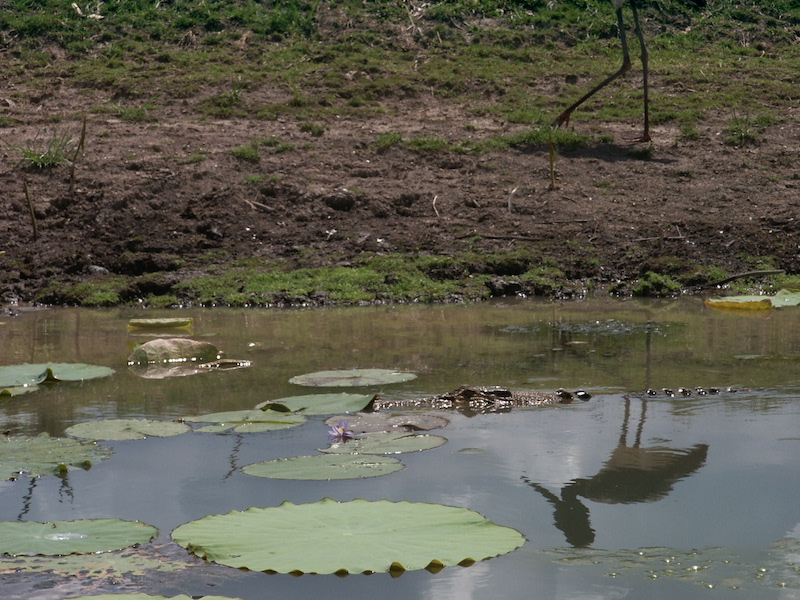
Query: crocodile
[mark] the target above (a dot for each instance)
(472, 400)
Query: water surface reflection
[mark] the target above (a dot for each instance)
(588, 484)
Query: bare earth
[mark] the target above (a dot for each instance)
(143, 198)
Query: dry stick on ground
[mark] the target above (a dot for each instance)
(33, 214)
(434, 205)
(257, 205)
(740, 276)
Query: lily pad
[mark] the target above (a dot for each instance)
(321, 404)
(18, 390)
(126, 429)
(95, 571)
(348, 537)
(386, 422)
(33, 374)
(166, 323)
(173, 350)
(247, 421)
(45, 455)
(325, 467)
(58, 538)
(387, 442)
(782, 298)
(352, 378)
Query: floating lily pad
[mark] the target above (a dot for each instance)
(782, 298)
(166, 323)
(85, 536)
(386, 422)
(173, 350)
(45, 455)
(347, 537)
(387, 442)
(126, 429)
(352, 378)
(18, 390)
(321, 404)
(14, 376)
(325, 467)
(247, 421)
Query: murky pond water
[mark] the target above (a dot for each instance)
(624, 496)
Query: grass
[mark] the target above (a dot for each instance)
(744, 130)
(47, 150)
(328, 70)
(514, 63)
(247, 153)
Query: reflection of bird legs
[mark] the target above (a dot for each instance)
(570, 515)
(632, 474)
(563, 118)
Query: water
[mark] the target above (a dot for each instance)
(618, 497)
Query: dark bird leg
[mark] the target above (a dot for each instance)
(563, 118)
(645, 55)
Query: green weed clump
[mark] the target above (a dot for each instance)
(655, 284)
(248, 153)
(58, 148)
(745, 130)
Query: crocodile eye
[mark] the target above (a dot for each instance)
(565, 396)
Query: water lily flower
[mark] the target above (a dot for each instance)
(340, 433)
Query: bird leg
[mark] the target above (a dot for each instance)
(563, 118)
(645, 55)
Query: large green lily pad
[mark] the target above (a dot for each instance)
(321, 404)
(126, 429)
(247, 421)
(347, 537)
(352, 378)
(24, 375)
(58, 538)
(325, 467)
(387, 442)
(45, 455)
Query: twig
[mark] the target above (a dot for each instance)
(668, 238)
(33, 214)
(740, 276)
(434, 206)
(257, 205)
(510, 200)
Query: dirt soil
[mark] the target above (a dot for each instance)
(142, 199)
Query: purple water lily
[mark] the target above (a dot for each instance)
(340, 433)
